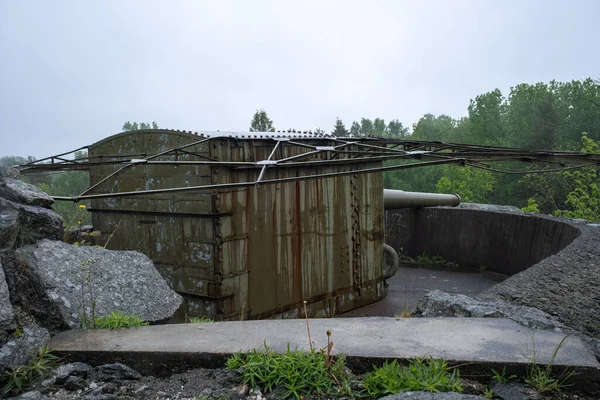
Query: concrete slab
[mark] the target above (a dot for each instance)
(461, 339)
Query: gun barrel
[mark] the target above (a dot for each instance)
(393, 199)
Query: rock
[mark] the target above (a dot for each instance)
(116, 372)
(21, 350)
(514, 391)
(228, 394)
(115, 280)
(78, 369)
(7, 172)
(74, 383)
(34, 395)
(431, 396)
(24, 193)
(440, 304)
(7, 316)
(9, 226)
(21, 225)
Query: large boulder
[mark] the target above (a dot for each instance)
(441, 304)
(24, 193)
(22, 225)
(7, 316)
(81, 280)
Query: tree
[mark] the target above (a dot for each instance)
(486, 115)
(339, 129)
(261, 122)
(379, 127)
(366, 127)
(395, 129)
(584, 200)
(134, 126)
(430, 127)
(355, 129)
(471, 184)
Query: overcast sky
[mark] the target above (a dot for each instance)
(72, 72)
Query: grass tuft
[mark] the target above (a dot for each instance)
(118, 319)
(15, 381)
(293, 374)
(428, 375)
(199, 320)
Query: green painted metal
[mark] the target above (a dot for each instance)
(250, 251)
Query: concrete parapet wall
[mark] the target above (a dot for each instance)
(500, 239)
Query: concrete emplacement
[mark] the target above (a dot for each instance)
(477, 345)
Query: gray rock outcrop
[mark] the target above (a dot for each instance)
(24, 193)
(72, 278)
(21, 225)
(7, 316)
(441, 304)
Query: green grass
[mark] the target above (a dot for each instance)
(429, 375)
(293, 374)
(542, 378)
(502, 376)
(431, 261)
(14, 381)
(199, 320)
(118, 319)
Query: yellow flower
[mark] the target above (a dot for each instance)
(82, 206)
(78, 222)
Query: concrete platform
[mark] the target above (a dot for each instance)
(477, 344)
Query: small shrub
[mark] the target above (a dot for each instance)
(199, 320)
(404, 314)
(531, 207)
(429, 375)
(502, 376)
(541, 378)
(14, 381)
(118, 319)
(431, 261)
(294, 374)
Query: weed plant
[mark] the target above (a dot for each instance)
(14, 381)
(118, 319)
(502, 376)
(294, 374)
(431, 261)
(428, 375)
(199, 320)
(541, 378)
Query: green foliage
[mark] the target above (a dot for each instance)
(471, 184)
(339, 129)
(584, 199)
(429, 375)
(431, 261)
(261, 122)
(542, 378)
(295, 373)
(532, 206)
(489, 393)
(118, 319)
(199, 320)
(134, 126)
(502, 376)
(14, 381)
(18, 333)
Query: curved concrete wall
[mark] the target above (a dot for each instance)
(501, 239)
